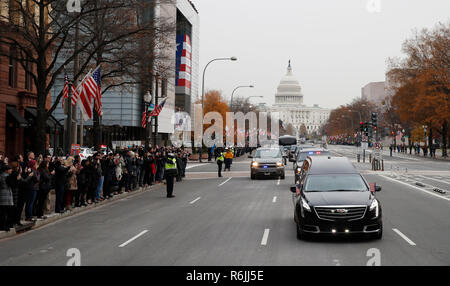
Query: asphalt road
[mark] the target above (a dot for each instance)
(237, 221)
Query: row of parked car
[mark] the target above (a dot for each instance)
(330, 196)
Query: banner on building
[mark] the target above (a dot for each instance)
(183, 61)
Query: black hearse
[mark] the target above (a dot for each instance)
(333, 198)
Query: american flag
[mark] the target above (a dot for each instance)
(93, 88)
(75, 95)
(144, 119)
(66, 89)
(158, 109)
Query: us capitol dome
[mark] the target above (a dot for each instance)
(289, 103)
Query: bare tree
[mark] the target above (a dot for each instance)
(43, 32)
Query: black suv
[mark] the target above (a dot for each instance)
(333, 198)
(302, 155)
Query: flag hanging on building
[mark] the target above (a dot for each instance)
(158, 109)
(93, 87)
(66, 89)
(183, 61)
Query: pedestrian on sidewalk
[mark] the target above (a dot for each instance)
(6, 198)
(179, 167)
(60, 182)
(391, 149)
(44, 188)
(33, 190)
(14, 182)
(171, 171)
(71, 186)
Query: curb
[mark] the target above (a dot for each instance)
(54, 217)
(11, 233)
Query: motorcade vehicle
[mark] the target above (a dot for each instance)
(333, 198)
(267, 162)
(302, 155)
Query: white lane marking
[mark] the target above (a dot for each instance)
(225, 182)
(196, 200)
(278, 182)
(404, 237)
(414, 187)
(274, 199)
(265, 237)
(193, 166)
(445, 182)
(133, 238)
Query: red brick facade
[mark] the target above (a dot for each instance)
(14, 140)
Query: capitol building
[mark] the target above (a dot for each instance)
(289, 103)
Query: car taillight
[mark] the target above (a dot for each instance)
(81, 155)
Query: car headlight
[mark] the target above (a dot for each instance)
(375, 206)
(279, 164)
(255, 164)
(305, 205)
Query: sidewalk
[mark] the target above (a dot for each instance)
(53, 217)
(416, 156)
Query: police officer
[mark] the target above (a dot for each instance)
(220, 160)
(171, 172)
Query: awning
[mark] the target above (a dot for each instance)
(52, 123)
(17, 116)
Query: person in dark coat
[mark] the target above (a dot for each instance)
(13, 181)
(140, 172)
(109, 169)
(44, 188)
(91, 177)
(60, 182)
(6, 198)
(33, 188)
(179, 167)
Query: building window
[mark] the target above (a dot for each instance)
(12, 81)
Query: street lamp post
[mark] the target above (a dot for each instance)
(425, 135)
(232, 94)
(203, 92)
(147, 101)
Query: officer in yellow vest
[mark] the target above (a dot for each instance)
(171, 172)
(220, 161)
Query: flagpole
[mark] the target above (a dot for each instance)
(156, 104)
(68, 130)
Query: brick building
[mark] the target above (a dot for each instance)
(18, 100)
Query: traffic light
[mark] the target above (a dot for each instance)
(366, 129)
(375, 119)
(361, 126)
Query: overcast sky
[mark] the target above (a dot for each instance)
(336, 47)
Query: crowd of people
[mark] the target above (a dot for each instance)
(25, 183)
(402, 148)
